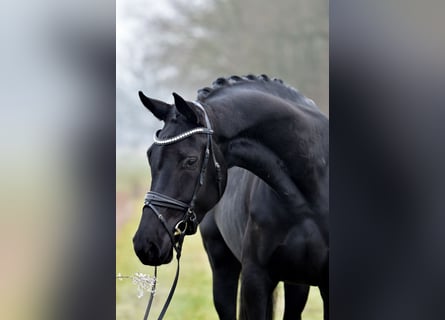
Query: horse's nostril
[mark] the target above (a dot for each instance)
(147, 251)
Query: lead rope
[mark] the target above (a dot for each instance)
(178, 248)
(173, 288)
(152, 294)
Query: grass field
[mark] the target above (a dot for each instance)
(193, 296)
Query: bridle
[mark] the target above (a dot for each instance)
(188, 224)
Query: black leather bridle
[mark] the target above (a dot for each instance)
(188, 224)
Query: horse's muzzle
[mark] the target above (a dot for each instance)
(150, 254)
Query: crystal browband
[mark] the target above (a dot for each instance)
(181, 136)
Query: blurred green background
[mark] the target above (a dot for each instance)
(193, 296)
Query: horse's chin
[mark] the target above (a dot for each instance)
(157, 261)
(168, 258)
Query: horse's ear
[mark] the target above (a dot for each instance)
(159, 108)
(186, 109)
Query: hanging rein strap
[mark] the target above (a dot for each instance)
(153, 199)
(187, 225)
(152, 294)
(170, 294)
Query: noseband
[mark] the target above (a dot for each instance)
(188, 224)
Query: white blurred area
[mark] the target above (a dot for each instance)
(35, 105)
(134, 124)
(133, 35)
(45, 113)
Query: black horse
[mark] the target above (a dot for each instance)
(230, 234)
(263, 126)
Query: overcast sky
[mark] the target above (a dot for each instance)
(134, 126)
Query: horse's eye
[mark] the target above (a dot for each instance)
(190, 163)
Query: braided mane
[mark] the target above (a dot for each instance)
(262, 83)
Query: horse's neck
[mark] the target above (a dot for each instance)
(264, 163)
(267, 144)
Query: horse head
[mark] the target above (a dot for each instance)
(188, 178)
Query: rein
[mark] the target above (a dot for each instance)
(188, 224)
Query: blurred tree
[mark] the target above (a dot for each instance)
(201, 41)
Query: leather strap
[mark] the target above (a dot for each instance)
(152, 294)
(162, 200)
(172, 289)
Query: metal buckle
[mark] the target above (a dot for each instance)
(180, 228)
(192, 222)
